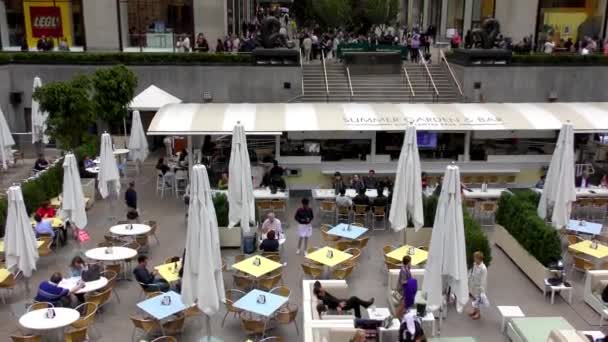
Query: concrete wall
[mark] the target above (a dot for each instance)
(517, 17)
(534, 83)
(225, 83)
(210, 19)
(101, 24)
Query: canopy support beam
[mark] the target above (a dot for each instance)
(467, 146)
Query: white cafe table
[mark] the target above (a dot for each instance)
(36, 319)
(89, 286)
(114, 254)
(259, 194)
(584, 192)
(321, 194)
(121, 151)
(123, 229)
(476, 193)
(93, 169)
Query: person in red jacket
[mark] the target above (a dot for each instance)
(45, 210)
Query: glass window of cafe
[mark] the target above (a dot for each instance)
(339, 148)
(158, 24)
(482, 9)
(560, 20)
(432, 145)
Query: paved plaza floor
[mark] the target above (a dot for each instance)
(506, 284)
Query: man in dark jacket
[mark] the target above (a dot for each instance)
(333, 303)
(148, 279)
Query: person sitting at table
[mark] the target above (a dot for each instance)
(43, 227)
(277, 182)
(333, 303)
(338, 183)
(361, 199)
(356, 183)
(50, 292)
(88, 162)
(604, 181)
(41, 163)
(380, 200)
(270, 244)
(370, 180)
(147, 279)
(276, 170)
(342, 200)
(165, 171)
(45, 210)
(182, 161)
(541, 182)
(583, 181)
(272, 224)
(77, 266)
(222, 184)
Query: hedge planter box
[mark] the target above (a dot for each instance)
(230, 238)
(528, 264)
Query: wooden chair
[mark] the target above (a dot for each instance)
(28, 338)
(342, 273)
(343, 214)
(343, 245)
(193, 311)
(361, 243)
(87, 312)
(9, 284)
(116, 268)
(113, 239)
(232, 295)
(133, 245)
(581, 264)
(145, 325)
(287, 315)
(361, 211)
(281, 291)
(172, 259)
(144, 242)
(153, 228)
(276, 257)
(270, 282)
(328, 238)
(252, 325)
(392, 265)
(45, 248)
(243, 282)
(387, 249)
(598, 212)
(100, 298)
(239, 257)
(105, 244)
(488, 209)
(328, 209)
(379, 214)
(174, 326)
(112, 277)
(573, 238)
(39, 306)
(312, 271)
(164, 339)
(76, 335)
(355, 252)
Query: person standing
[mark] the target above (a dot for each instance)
(307, 45)
(478, 277)
(304, 217)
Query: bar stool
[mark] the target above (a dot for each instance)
(328, 208)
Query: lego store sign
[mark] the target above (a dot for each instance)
(49, 19)
(46, 21)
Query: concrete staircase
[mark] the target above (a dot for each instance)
(377, 88)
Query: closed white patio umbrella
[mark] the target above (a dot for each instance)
(6, 142)
(240, 188)
(559, 191)
(108, 178)
(202, 281)
(447, 263)
(20, 248)
(407, 193)
(73, 204)
(138, 144)
(38, 118)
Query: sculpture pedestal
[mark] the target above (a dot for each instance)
(481, 56)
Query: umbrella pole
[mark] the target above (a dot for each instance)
(124, 123)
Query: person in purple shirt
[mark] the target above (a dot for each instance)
(50, 291)
(43, 227)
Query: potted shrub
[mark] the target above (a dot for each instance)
(228, 237)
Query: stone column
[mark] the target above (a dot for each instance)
(210, 19)
(444, 19)
(3, 26)
(468, 16)
(101, 24)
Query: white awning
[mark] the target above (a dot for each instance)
(152, 98)
(220, 118)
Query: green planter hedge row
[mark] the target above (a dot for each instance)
(151, 58)
(517, 214)
(48, 185)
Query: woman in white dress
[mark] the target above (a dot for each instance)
(478, 277)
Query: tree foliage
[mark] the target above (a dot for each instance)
(70, 109)
(114, 89)
(334, 13)
(381, 12)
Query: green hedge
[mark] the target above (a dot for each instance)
(148, 58)
(220, 203)
(517, 214)
(48, 185)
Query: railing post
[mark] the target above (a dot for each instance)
(325, 74)
(445, 60)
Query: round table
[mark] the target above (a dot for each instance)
(94, 169)
(120, 151)
(138, 229)
(89, 286)
(36, 320)
(117, 253)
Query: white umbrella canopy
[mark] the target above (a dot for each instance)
(73, 204)
(138, 144)
(38, 118)
(6, 142)
(447, 263)
(202, 281)
(108, 170)
(20, 248)
(407, 193)
(240, 188)
(559, 190)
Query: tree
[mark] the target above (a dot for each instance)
(381, 12)
(114, 89)
(333, 13)
(70, 110)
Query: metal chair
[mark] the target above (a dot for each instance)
(9, 283)
(471, 206)
(379, 214)
(281, 291)
(39, 306)
(287, 315)
(312, 271)
(87, 312)
(355, 252)
(145, 325)
(251, 324)
(328, 209)
(26, 338)
(163, 183)
(232, 296)
(361, 211)
(180, 182)
(342, 273)
(343, 215)
(45, 248)
(279, 207)
(100, 298)
(153, 228)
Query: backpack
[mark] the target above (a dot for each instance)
(91, 274)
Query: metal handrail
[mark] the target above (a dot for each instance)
(301, 70)
(350, 85)
(428, 72)
(325, 74)
(407, 77)
(451, 72)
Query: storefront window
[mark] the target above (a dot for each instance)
(563, 20)
(431, 145)
(159, 24)
(328, 150)
(482, 9)
(15, 22)
(455, 18)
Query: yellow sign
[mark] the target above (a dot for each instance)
(49, 19)
(565, 24)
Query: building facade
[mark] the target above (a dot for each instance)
(156, 25)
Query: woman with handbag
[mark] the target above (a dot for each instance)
(478, 277)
